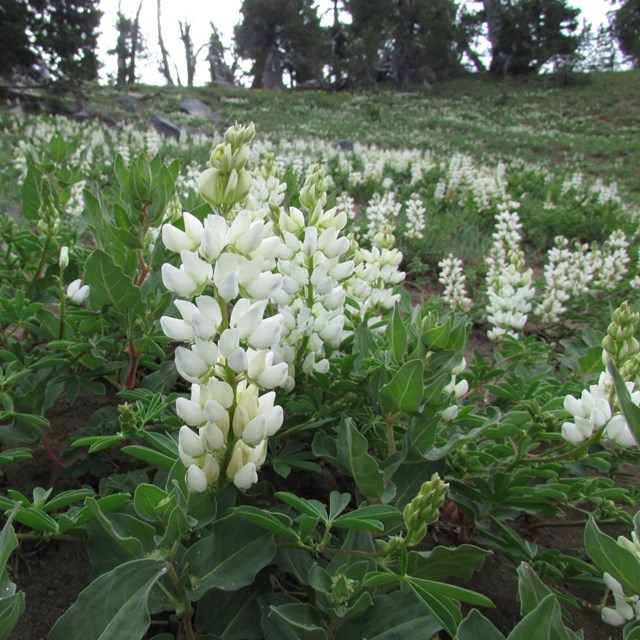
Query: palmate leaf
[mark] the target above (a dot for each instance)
(114, 606)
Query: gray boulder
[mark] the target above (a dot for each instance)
(165, 127)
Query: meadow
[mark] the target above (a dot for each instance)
(325, 366)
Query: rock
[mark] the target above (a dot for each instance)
(165, 127)
(17, 111)
(196, 108)
(81, 116)
(345, 145)
(129, 102)
(310, 85)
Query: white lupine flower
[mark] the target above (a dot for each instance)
(176, 240)
(452, 278)
(77, 292)
(509, 286)
(415, 217)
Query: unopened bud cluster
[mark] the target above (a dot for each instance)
(424, 509)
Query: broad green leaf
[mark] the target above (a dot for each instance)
(537, 624)
(11, 608)
(277, 523)
(353, 450)
(303, 620)
(150, 502)
(114, 606)
(66, 498)
(397, 335)
(229, 558)
(8, 539)
(31, 195)
(531, 590)
(440, 606)
(444, 562)
(611, 557)
(476, 627)
(392, 617)
(233, 615)
(110, 285)
(404, 391)
(630, 411)
(125, 530)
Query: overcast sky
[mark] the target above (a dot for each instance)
(225, 14)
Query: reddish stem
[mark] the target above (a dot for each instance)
(134, 358)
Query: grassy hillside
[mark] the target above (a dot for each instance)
(590, 125)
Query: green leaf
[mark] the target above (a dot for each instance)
(450, 591)
(10, 456)
(149, 455)
(397, 335)
(233, 615)
(312, 508)
(150, 502)
(531, 590)
(36, 519)
(114, 606)
(31, 195)
(612, 558)
(630, 411)
(476, 627)
(354, 453)
(110, 286)
(122, 535)
(303, 620)
(66, 498)
(229, 558)
(404, 391)
(537, 624)
(277, 523)
(444, 562)
(11, 608)
(393, 616)
(338, 503)
(440, 606)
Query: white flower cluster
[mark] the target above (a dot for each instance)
(415, 217)
(453, 279)
(627, 608)
(376, 271)
(227, 268)
(595, 410)
(267, 191)
(346, 204)
(570, 273)
(380, 212)
(509, 285)
(313, 263)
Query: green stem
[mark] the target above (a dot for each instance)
(391, 439)
(63, 537)
(62, 304)
(187, 614)
(43, 258)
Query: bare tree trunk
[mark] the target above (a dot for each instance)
(475, 58)
(135, 40)
(190, 57)
(166, 72)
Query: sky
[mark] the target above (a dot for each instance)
(225, 14)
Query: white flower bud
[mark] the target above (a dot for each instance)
(176, 329)
(64, 257)
(189, 411)
(190, 442)
(196, 479)
(246, 476)
(189, 365)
